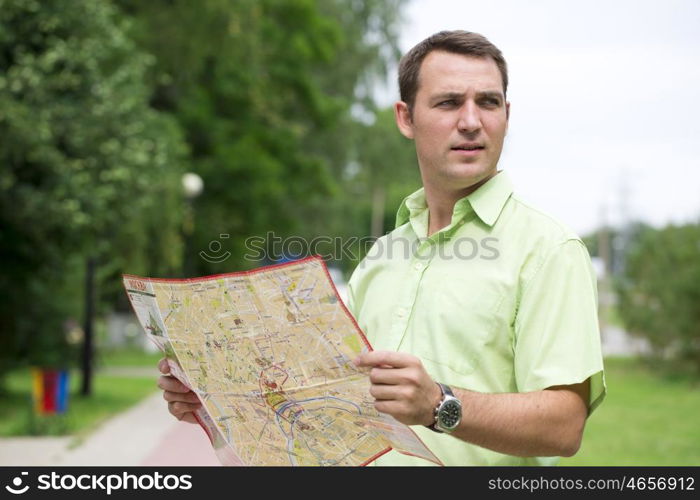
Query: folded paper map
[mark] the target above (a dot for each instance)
(269, 354)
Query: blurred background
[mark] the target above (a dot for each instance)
(156, 138)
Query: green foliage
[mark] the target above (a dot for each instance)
(390, 161)
(264, 91)
(659, 291)
(383, 164)
(83, 163)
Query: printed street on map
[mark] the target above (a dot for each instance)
(269, 354)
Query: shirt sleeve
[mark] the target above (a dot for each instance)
(557, 338)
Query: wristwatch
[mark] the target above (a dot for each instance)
(448, 413)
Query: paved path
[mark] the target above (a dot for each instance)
(144, 435)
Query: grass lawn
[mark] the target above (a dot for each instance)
(649, 417)
(111, 395)
(129, 357)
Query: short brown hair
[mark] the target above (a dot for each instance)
(457, 42)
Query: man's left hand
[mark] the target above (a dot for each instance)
(401, 387)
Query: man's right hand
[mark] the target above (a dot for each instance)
(182, 402)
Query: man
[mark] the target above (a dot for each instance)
(481, 309)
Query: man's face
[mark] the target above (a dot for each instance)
(459, 120)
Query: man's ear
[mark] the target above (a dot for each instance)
(507, 115)
(403, 119)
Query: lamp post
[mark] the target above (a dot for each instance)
(192, 187)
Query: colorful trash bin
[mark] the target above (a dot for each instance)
(50, 391)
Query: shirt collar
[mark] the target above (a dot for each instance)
(487, 202)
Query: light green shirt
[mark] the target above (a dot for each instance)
(502, 300)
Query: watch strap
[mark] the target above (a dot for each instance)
(445, 390)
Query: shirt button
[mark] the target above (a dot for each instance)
(418, 266)
(401, 312)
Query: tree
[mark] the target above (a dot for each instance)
(84, 164)
(265, 90)
(660, 291)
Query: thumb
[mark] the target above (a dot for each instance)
(163, 366)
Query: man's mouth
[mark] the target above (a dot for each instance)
(468, 150)
(468, 147)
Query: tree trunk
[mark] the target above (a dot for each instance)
(86, 389)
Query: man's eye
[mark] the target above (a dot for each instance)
(491, 102)
(449, 102)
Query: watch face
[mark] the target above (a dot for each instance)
(450, 414)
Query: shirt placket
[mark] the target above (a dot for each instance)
(415, 271)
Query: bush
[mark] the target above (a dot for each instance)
(659, 291)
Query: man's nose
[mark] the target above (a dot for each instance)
(469, 119)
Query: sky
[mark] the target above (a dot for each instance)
(605, 102)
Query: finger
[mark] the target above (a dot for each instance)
(186, 397)
(190, 418)
(178, 409)
(384, 392)
(386, 358)
(169, 383)
(390, 407)
(163, 366)
(391, 376)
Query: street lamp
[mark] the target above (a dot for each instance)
(192, 186)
